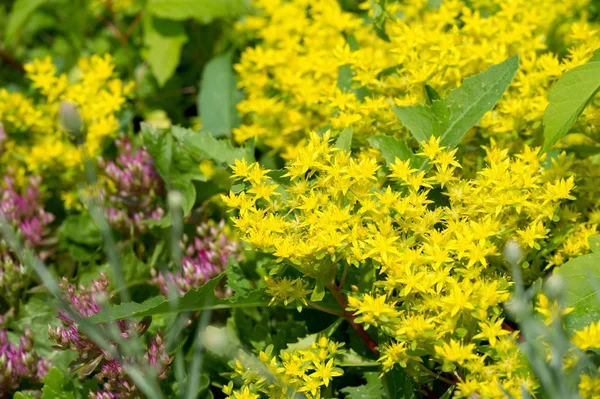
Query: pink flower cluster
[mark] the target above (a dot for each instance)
(25, 211)
(88, 301)
(205, 257)
(19, 363)
(135, 188)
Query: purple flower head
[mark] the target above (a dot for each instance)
(25, 211)
(88, 301)
(19, 363)
(134, 188)
(205, 257)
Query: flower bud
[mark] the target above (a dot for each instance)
(513, 252)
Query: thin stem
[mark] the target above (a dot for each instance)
(324, 309)
(9, 60)
(131, 26)
(111, 27)
(343, 279)
(360, 331)
(437, 376)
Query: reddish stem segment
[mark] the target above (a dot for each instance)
(341, 300)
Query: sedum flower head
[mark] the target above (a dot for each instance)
(305, 370)
(19, 363)
(110, 374)
(442, 278)
(134, 189)
(205, 256)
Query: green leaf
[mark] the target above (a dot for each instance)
(20, 12)
(567, 99)
(159, 143)
(318, 293)
(164, 39)
(399, 385)
(218, 97)
(373, 389)
(344, 140)
(202, 10)
(594, 242)
(450, 118)
(236, 280)
(80, 229)
(581, 276)
(204, 145)
(54, 386)
(194, 300)
(391, 148)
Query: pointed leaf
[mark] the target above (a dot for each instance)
(21, 10)
(581, 276)
(568, 98)
(344, 140)
(202, 10)
(391, 148)
(164, 39)
(218, 97)
(450, 118)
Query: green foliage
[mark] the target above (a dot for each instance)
(202, 10)
(203, 298)
(581, 278)
(20, 12)
(391, 148)
(373, 389)
(218, 96)
(344, 140)
(568, 98)
(450, 118)
(165, 39)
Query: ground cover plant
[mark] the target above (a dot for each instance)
(299, 199)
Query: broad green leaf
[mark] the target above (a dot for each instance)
(450, 118)
(164, 39)
(54, 386)
(344, 140)
(568, 98)
(20, 12)
(194, 300)
(399, 385)
(594, 242)
(202, 10)
(373, 389)
(204, 145)
(581, 276)
(218, 97)
(391, 148)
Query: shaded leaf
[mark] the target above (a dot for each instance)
(399, 385)
(236, 280)
(20, 12)
(594, 242)
(580, 276)
(218, 97)
(391, 148)
(373, 389)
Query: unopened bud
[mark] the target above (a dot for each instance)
(70, 119)
(513, 252)
(554, 286)
(175, 199)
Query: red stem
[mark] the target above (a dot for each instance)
(360, 331)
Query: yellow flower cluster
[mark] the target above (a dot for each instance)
(307, 48)
(36, 142)
(433, 235)
(298, 370)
